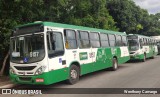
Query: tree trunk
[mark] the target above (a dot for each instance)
(4, 64)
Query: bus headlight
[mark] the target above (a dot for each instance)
(40, 70)
(11, 71)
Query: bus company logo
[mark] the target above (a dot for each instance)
(6, 91)
(83, 56)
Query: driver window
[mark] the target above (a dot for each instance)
(55, 43)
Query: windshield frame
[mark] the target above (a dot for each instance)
(25, 35)
(138, 44)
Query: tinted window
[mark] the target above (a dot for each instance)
(94, 37)
(118, 40)
(55, 44)
(104, 40)
(70, 39)
(84, 39)
(124, 41)
(111, 40)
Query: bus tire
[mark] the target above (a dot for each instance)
(144, 58)
(114, 64)
(73, 75)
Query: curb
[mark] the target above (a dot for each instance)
(8, 86)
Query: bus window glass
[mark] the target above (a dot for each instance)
(111, 40)
(55, 44)
(124, 41)
(70, 39)
(133, 44)
(118, 40)
(104, 40)
(27, 49)
(94, 37)
(84, 39)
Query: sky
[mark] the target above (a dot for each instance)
(153, 6)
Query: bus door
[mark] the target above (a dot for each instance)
(56, 56)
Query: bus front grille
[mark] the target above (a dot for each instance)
(24, 67)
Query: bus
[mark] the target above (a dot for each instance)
(47, 52)
(142, 47)
(158, 42)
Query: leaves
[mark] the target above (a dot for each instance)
(132, 19)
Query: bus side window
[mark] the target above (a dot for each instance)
(118, 40)
(70, 39)
(84, 41)
(55, 44)
(111, 40)
(104, 40)
(51, 41)
(94, 38)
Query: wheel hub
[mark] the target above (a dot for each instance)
(73, 74)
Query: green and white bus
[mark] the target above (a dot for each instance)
(142, 47)
(158, 42)
(47, 52)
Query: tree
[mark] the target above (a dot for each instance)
(90, 13)
(132, 19)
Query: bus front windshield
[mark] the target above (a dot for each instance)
(27, 49)
(133, 44)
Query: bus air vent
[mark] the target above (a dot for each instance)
(24, 67)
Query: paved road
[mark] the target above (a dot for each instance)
(133, 74)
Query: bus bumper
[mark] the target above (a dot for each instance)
(136, 57)
(42, 79)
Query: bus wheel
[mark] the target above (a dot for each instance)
(114, 64)
(144, 58)
(73, 74)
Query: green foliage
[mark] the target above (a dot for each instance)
(91, 13)
(132, 19)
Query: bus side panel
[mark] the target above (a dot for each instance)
(124, 55)
(109, 57)
(86, 68)
(82, 56)
(102, 60)
(150, 53)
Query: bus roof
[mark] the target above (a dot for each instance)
(142, 36)
(156, 37)
(67, 26)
